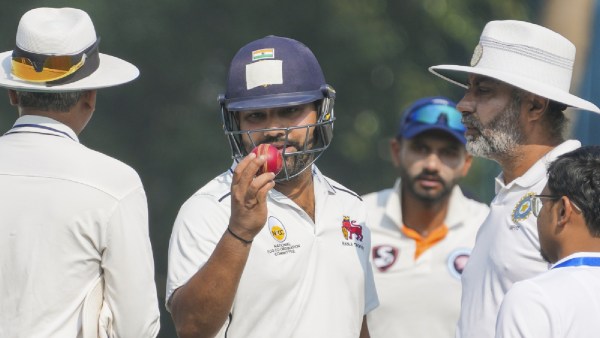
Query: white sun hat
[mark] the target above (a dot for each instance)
(524, 55)
(49, 38)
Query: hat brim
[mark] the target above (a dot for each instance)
(111, 72)
(458, 75)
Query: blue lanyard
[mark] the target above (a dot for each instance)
(577, 261)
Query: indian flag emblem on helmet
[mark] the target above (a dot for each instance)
(265, 53)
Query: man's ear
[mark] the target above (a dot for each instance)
(395, 146)
(88, 99)
(12, 97)
(564, 210)
(467, 165)
(536, 106)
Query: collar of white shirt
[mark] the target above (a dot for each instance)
(537, 172)
(454, 217)
(36, 123)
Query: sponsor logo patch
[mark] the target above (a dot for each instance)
(457, 260)
(384, 256)
(277, 229)
(279, 233)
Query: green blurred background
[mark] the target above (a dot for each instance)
(167, 125)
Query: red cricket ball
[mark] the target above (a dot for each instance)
(274, 162)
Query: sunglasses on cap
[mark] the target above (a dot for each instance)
(35, 67)
(435, 113)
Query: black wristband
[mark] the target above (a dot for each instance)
(238, 237)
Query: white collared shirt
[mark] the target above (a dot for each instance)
(68, 215)
(302, 278)
(507, 248)
(562, 302)
(418, 297)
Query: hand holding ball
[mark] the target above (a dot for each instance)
(274, 162)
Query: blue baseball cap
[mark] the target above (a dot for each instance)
(432, 113)
(274, 72)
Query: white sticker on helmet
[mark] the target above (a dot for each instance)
(264, 73)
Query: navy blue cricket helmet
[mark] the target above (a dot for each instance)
(275, 72)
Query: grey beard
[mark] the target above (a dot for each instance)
(496, 145)
(499, 138)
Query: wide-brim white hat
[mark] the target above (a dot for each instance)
(62, 31)
(523, 55)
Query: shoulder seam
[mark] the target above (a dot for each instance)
(348, 192)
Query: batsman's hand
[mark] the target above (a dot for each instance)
(249, 197)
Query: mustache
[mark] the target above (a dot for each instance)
(280, 140)
(471, 121)
(429, 176)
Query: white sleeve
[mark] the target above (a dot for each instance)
(525, 313)
(128, 265)
(198, 228)
(371, 298)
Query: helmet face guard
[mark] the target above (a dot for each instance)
(307, 153)
(277, 72)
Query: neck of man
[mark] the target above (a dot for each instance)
(421, 216)
(300, 189)
(578, 243)
(521, 159)
(66, 118)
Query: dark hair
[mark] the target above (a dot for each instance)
(555, 119)
(61, 102)
(577, 175)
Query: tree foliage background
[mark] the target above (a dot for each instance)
(167, 124)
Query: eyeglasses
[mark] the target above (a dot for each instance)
(536, 203)
(35, 67)
(434, 113)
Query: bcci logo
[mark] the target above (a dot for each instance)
(522, 210)
(277, 229)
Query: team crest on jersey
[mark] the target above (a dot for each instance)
(384, 256)
(522, 210)
(457, 260)
(277, 229)
(351, 230)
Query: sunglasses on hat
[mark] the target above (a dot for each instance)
(436, 113)
(35, 67)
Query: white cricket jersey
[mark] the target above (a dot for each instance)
(69, 215)
(507, 248)
(418, 297)
(562, 302)
(302, 279)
